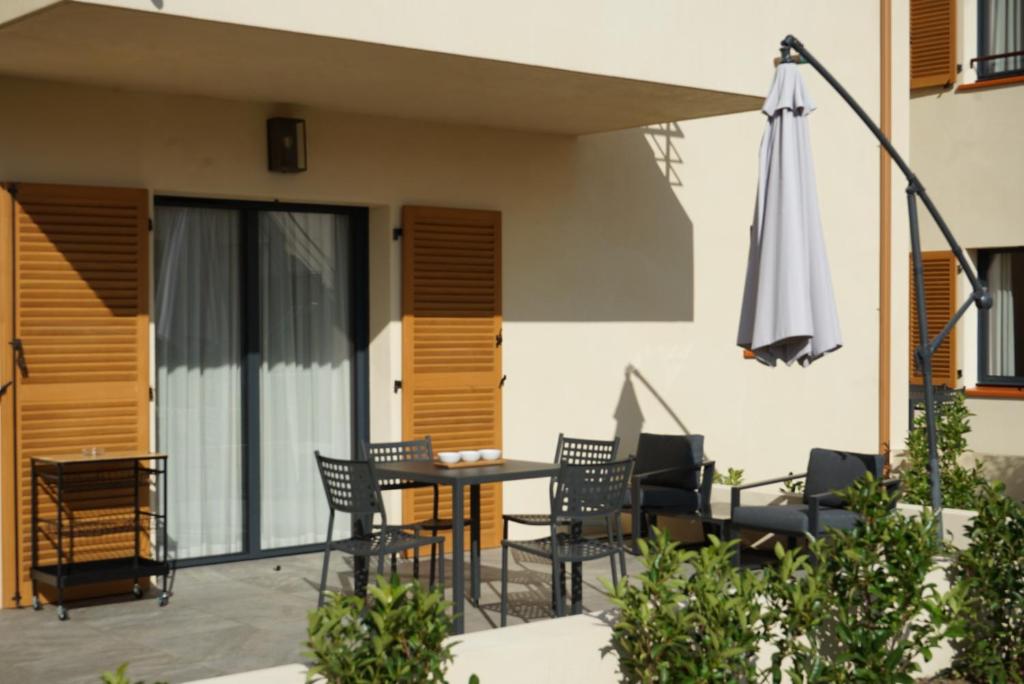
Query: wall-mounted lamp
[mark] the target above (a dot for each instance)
(286, 145)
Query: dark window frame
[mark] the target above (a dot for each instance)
(984, 378)
(983, 51)
(359, 266)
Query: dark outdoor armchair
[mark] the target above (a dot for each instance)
(671, 478)
(828, 471)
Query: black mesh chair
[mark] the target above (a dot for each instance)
(582, 493)
(351, 487)
(572, 451)
(671, 479)
(828, 470)
(415, 450)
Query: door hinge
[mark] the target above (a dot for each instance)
(152, 395)
(150, 225)
(398, 386)
(396, 233)
(498, 339)
(503, 379)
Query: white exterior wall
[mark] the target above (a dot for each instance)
(968, 148)
(621, 250)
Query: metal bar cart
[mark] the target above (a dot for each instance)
(95, 514)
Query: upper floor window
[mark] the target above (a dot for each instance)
(1000, 38)
(1001, 328)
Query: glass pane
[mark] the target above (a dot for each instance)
(1002, 33)
(199, 380)
(305, 375)
(1005, 278)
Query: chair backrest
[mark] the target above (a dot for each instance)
(661, 452)
(351, 486)
(589, 491)
(829, 470)
(575, 451)
(393, 452)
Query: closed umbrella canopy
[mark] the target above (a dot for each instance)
(789, 311)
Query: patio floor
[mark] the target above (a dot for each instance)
(233, 617)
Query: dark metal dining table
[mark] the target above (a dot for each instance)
(458, 478)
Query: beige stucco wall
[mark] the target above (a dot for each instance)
(623, 253)
(968, 148)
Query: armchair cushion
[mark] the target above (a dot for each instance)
(829, 470)
(792, 519)
(661, 452)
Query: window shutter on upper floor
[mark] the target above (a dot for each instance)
(932, 43)
(940, 305)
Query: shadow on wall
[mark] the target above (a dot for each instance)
(618, 248)
(1007, 469)
(629, 417)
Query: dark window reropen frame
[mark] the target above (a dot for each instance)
(360, 320)
(984, 8)
(984, 378)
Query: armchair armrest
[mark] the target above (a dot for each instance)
(640, 477)
(735, 499)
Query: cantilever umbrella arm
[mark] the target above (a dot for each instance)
(979, 294)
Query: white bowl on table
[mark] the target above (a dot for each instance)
(449, 456)
(490, 454)
(470, 456)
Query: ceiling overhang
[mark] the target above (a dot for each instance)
(147, 51)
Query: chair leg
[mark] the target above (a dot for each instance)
(394, 564)
(416, 563)
(440, 569)
(504, 583)
(327, 560)
(433, 562)
(380, 563)
(622, 545)
(558, 579)
(614, 551)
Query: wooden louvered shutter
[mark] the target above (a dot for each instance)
(80, 309)
(932, 43)
(451, 357)
(940, 305)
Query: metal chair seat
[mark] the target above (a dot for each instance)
(528, 518)
(568, 550)
(386, 541)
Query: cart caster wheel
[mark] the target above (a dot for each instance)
(164, 598)
(62, 613)
(136, 591)
(36, 604)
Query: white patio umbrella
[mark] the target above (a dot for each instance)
(789, 311)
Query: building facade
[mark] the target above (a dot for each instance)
(573, 182)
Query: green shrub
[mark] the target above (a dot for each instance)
(120, 676)
(732, 477)
(396, 636)
(675, 626)
(866, 610)
(991, 571)
(961, 485)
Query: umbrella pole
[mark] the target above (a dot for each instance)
(979, 294)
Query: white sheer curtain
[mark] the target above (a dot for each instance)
(1002, 32)
(198, 384)
(1001, 342)
(305, 376)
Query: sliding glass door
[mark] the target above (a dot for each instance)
(199, 377)
(260, 333)
(305, 371)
